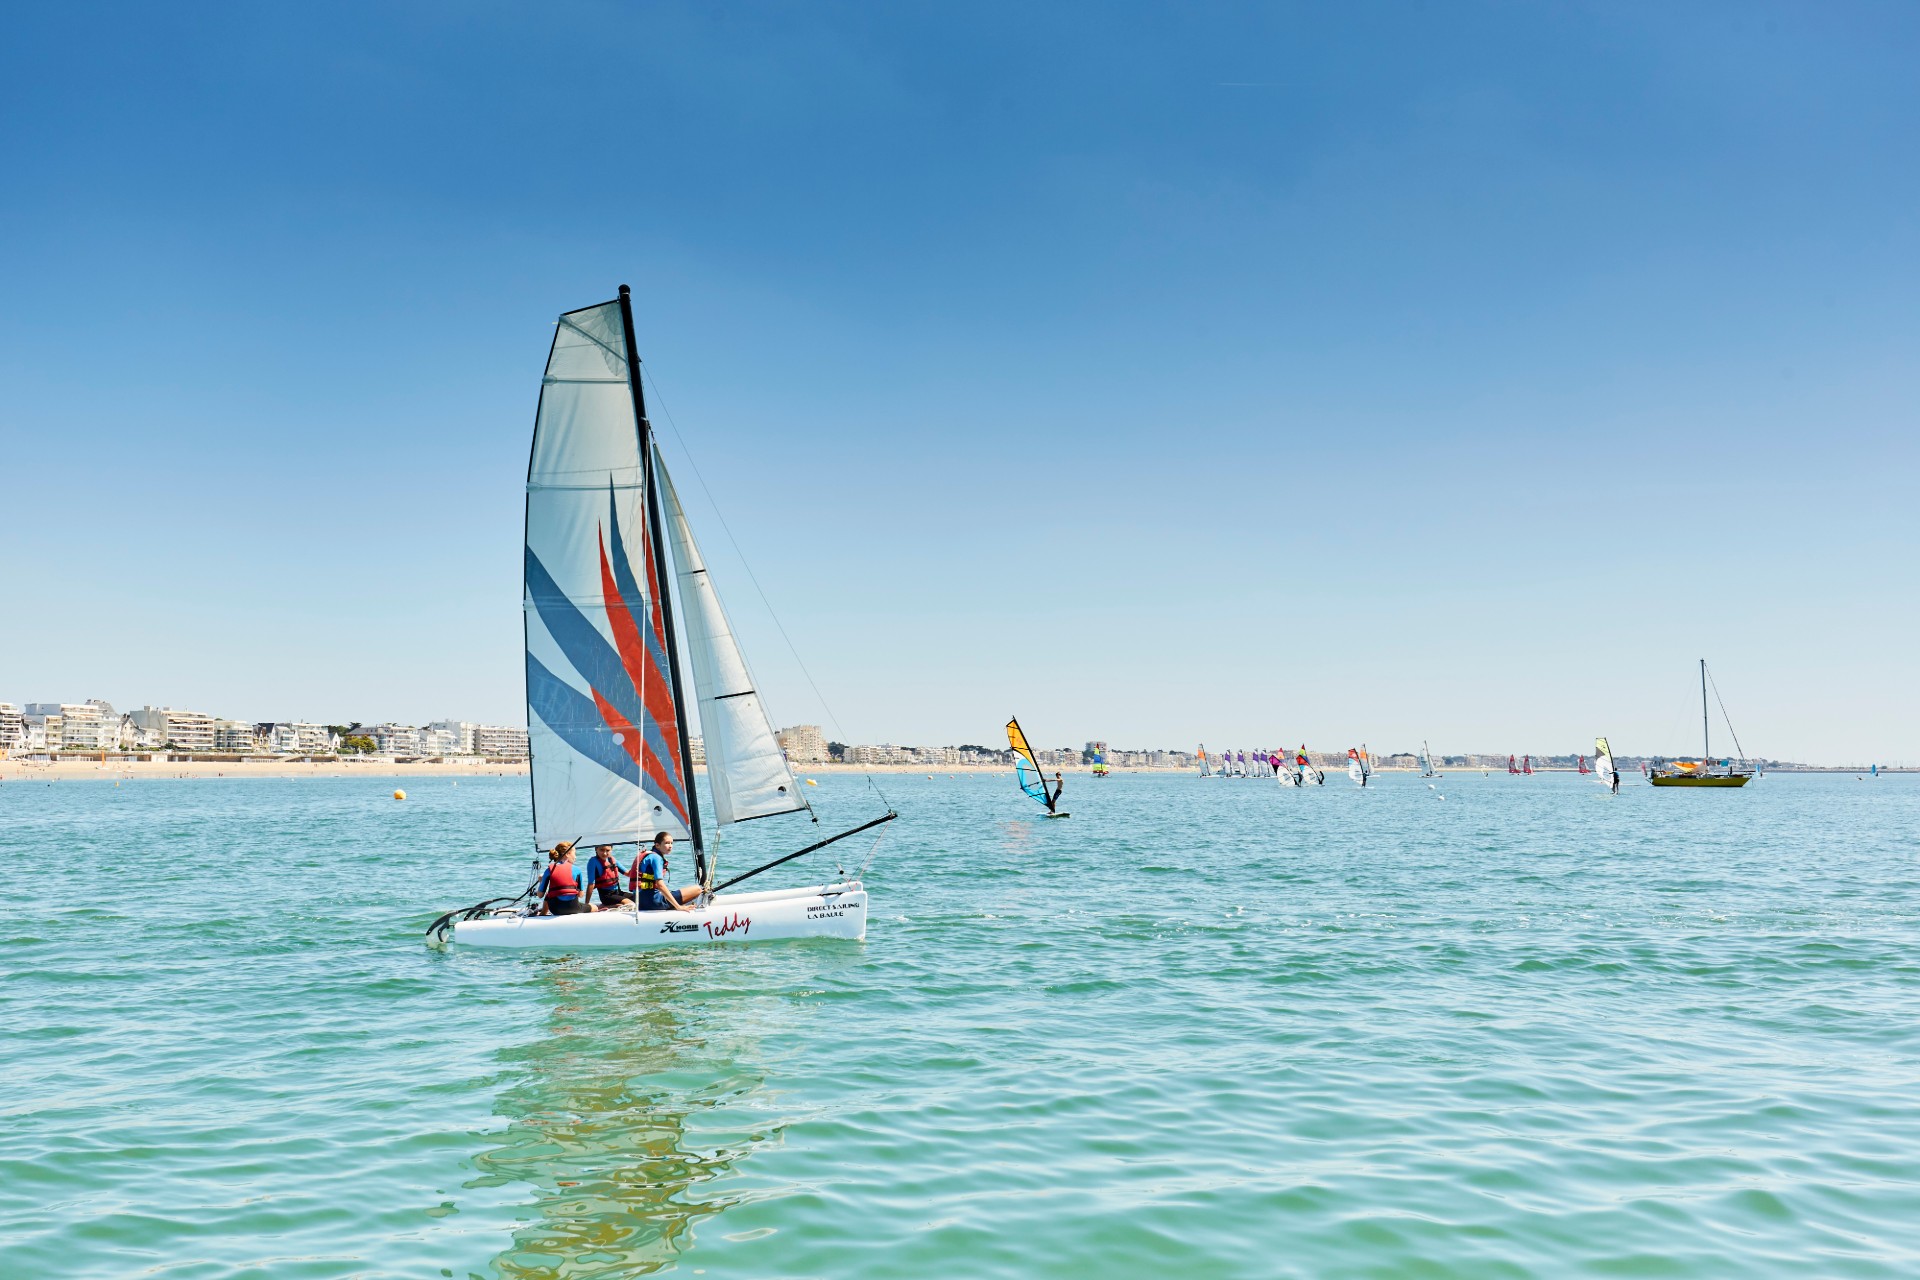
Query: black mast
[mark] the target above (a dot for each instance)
(665, 601)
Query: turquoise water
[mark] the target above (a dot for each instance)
(1208, 1029)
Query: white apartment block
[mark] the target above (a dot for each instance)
(313, 739)
(696, 751)
(185, 730)
(803, 743)
(462, 731)
(439, 742)
(83, 729)
(395, 739)
(233, 735)
(501, 742)
(13, 728)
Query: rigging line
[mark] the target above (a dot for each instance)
(660, 399)
(1723, 714)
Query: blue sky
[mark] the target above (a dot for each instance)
(1238, 373)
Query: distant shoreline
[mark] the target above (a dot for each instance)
(268, 767)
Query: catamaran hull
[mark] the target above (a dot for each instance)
(821, 911)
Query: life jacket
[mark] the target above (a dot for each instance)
(645, 881)
(561, 882)
(608, 877)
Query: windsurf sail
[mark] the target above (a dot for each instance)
(1206, 769)
(1526, 764)
(1027, 768)
(1357, 766)
(1603, 762)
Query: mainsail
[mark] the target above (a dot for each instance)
(746, 767)
(602, 717)
(1206, 770)
(1025, 767)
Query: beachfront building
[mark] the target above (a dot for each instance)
(462, 739)
(13, 728)
(439, 742)
(314, 739)
(233, 736)
(395, 739)
(696, 750)
(172, 727)
(500, 742)
(803, 743)
(84, 728)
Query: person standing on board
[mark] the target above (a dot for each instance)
(604, 873)
(560, 884)
(649, 879)
(1054, 799)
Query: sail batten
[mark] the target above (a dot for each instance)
(747, 770)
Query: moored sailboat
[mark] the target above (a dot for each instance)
(607, 718)
(1702, 772)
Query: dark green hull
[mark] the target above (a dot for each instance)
(1723, 780)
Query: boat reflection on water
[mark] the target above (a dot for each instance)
(619, 1120)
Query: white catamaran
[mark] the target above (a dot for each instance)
(606, 717)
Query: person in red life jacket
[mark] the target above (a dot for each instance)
(649, 880)
(560, 884)
(604, 874)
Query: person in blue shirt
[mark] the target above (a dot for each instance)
(649, 880)
(604, 874)
(559, 885)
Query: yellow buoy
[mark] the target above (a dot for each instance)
(399, 795)
(812, 783)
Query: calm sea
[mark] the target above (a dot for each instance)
(1199, 1029)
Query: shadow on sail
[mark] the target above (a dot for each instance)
(619, 1120)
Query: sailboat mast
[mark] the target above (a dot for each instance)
(665, 602)
(1706, 739)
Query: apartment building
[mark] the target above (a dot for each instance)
(395, 739)
(83, 728)
(13, 728)
(233, 736)
(500, 742)
(462, 738)
(313, 739)
(183, 730)
(803, 743)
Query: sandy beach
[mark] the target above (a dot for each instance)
(265, 767)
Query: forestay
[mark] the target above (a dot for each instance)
(746, 768)
(601, 720)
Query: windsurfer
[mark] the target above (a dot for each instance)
(649, 879)
(1053, 800)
